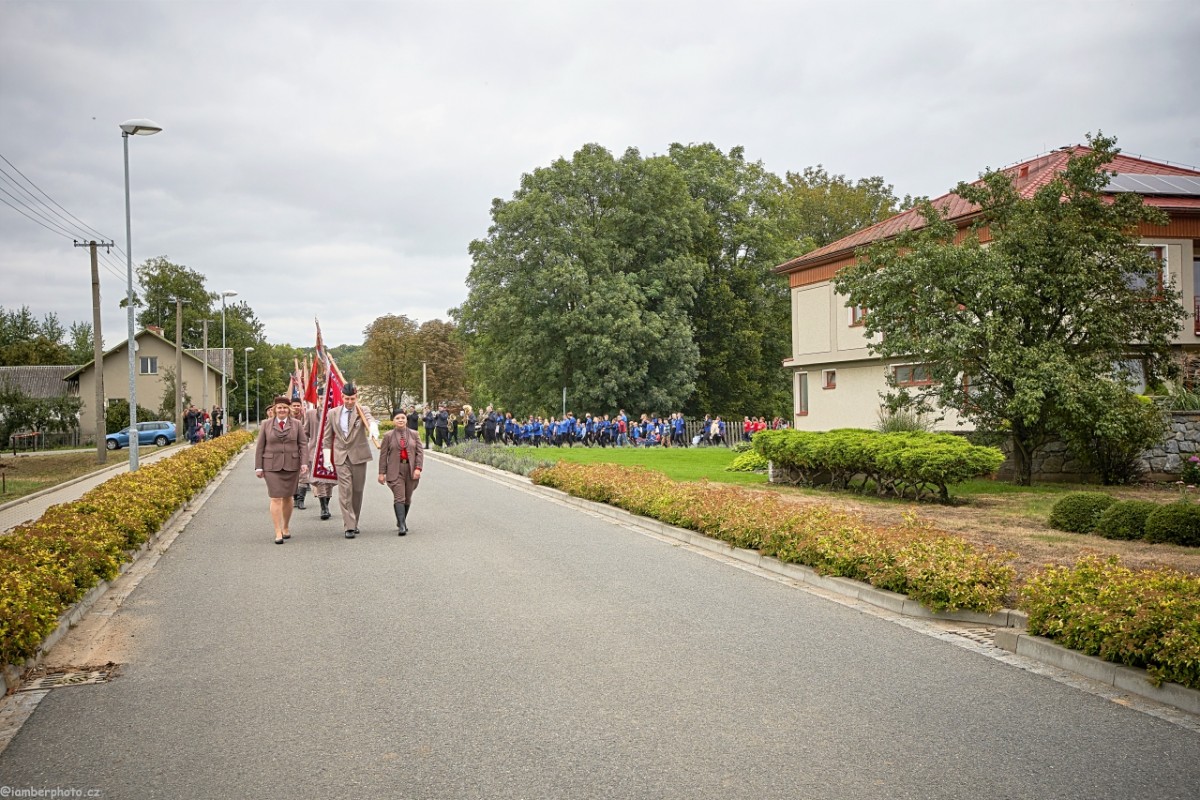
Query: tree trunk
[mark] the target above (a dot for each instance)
(1022, 453)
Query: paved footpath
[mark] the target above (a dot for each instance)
(515, 647)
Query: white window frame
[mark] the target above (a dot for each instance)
(800, 393)
(147, 365)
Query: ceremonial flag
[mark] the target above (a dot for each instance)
(310, 389)
(323, 470)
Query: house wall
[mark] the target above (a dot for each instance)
(150, 388)
(824, 338)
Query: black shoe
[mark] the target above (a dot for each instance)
(324, 507)
(350, 534)
(296, 502)
(279, 541)
(300, 502)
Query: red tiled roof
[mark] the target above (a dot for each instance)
(1028, 177)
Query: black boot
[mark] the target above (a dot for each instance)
(300, 497)
(297, 501)
(324, 507)
(401, 513)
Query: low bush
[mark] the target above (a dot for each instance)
(49, 564)
(905, 463)
(1146, 618)
(1125, 519)
(1079, 512)
(1174, 523)
(747, 461)
(941, 571)
(499, 457)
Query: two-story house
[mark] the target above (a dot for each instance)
(837, 383)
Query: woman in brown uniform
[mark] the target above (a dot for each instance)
(280, 458)
(401, 458)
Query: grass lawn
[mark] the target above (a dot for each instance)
(678, 463)
(24, 475)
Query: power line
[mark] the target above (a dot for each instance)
(91, 231)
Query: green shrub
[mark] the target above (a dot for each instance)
(1125, 519)
(499, 457)
(1190, 474)
(1147, 618)
(1175, 523)
(50, 563)
(1079, 512)
(942, 571)
(748, 461)
(743, 446)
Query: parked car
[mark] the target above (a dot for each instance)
(159, 433)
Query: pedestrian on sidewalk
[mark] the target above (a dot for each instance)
(281, 459)
(401, 459)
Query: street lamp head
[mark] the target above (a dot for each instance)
(249, 349)
(228, 294)
(140, 127)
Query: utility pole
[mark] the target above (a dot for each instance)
(179, 366)
(97, 350)
(204, 394)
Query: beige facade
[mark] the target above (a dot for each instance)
(154, 357)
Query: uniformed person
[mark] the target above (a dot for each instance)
(346, 438)
(401, 459)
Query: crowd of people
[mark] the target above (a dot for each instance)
(491, 426)
(200, 424)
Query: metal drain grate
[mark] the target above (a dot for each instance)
(57, 679)
(978, 635)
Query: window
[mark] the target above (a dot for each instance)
(1143, 283)
(800, 388)
(829, 379)
(149, 365)
(857, 315)
(913, 375)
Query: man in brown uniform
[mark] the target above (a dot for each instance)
(346, 438)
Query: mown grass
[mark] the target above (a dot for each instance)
(25, 475)
(678, 463)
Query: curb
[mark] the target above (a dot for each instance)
(71, 617)
(1010, 623)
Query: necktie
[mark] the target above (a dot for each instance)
(281, 425)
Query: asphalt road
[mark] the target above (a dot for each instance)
(512, 647)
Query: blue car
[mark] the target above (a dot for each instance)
(159, 433)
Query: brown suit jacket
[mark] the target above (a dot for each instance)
(352, 447)
(389, 454)
(281, 451)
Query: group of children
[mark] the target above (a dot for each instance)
(591, 431)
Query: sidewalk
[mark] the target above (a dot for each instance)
(30, 507)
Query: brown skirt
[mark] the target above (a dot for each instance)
(283, 483)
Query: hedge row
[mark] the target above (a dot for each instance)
(1102, 514)
(48, 565)
(923, 465)
(941, 571)
(1146, 618)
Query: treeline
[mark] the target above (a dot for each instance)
(646, 282)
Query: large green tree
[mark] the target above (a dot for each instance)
(741, 310)
(586, 280)
(162, 282)
(821, 208)
(391, 364)
(1031, 322)
(27, 341)
(442, 350)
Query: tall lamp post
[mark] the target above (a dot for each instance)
(246, 374)
(257, 386)
(136, 127)
(224, 367)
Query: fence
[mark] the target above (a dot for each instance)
(32, 441)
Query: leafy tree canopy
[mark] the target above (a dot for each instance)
(391, 363)
(162, 282)
(27, 341)
(586, 280)
(1032, 321)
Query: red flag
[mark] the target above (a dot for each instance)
(323, 471)
(310, 390)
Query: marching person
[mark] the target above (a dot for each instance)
(346, 437)
(281, 459)
(401, 458)
(321, 490)
(300, 419)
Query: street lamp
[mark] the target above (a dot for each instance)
(257, 385)
(224, 366)
(136, 127)
(246, 374)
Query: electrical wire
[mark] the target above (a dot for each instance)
(84, 226)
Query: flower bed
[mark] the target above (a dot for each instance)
(49, 564)
(937, 569)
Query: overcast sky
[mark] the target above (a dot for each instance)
(336, 159)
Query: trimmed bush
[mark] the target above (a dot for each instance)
(1146, 618)
(908, 463)
(748, 461)
(1174, 523)
(499, 457)
(49, 564)
(1125, 519)
(941, 571)
(1079, 512)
